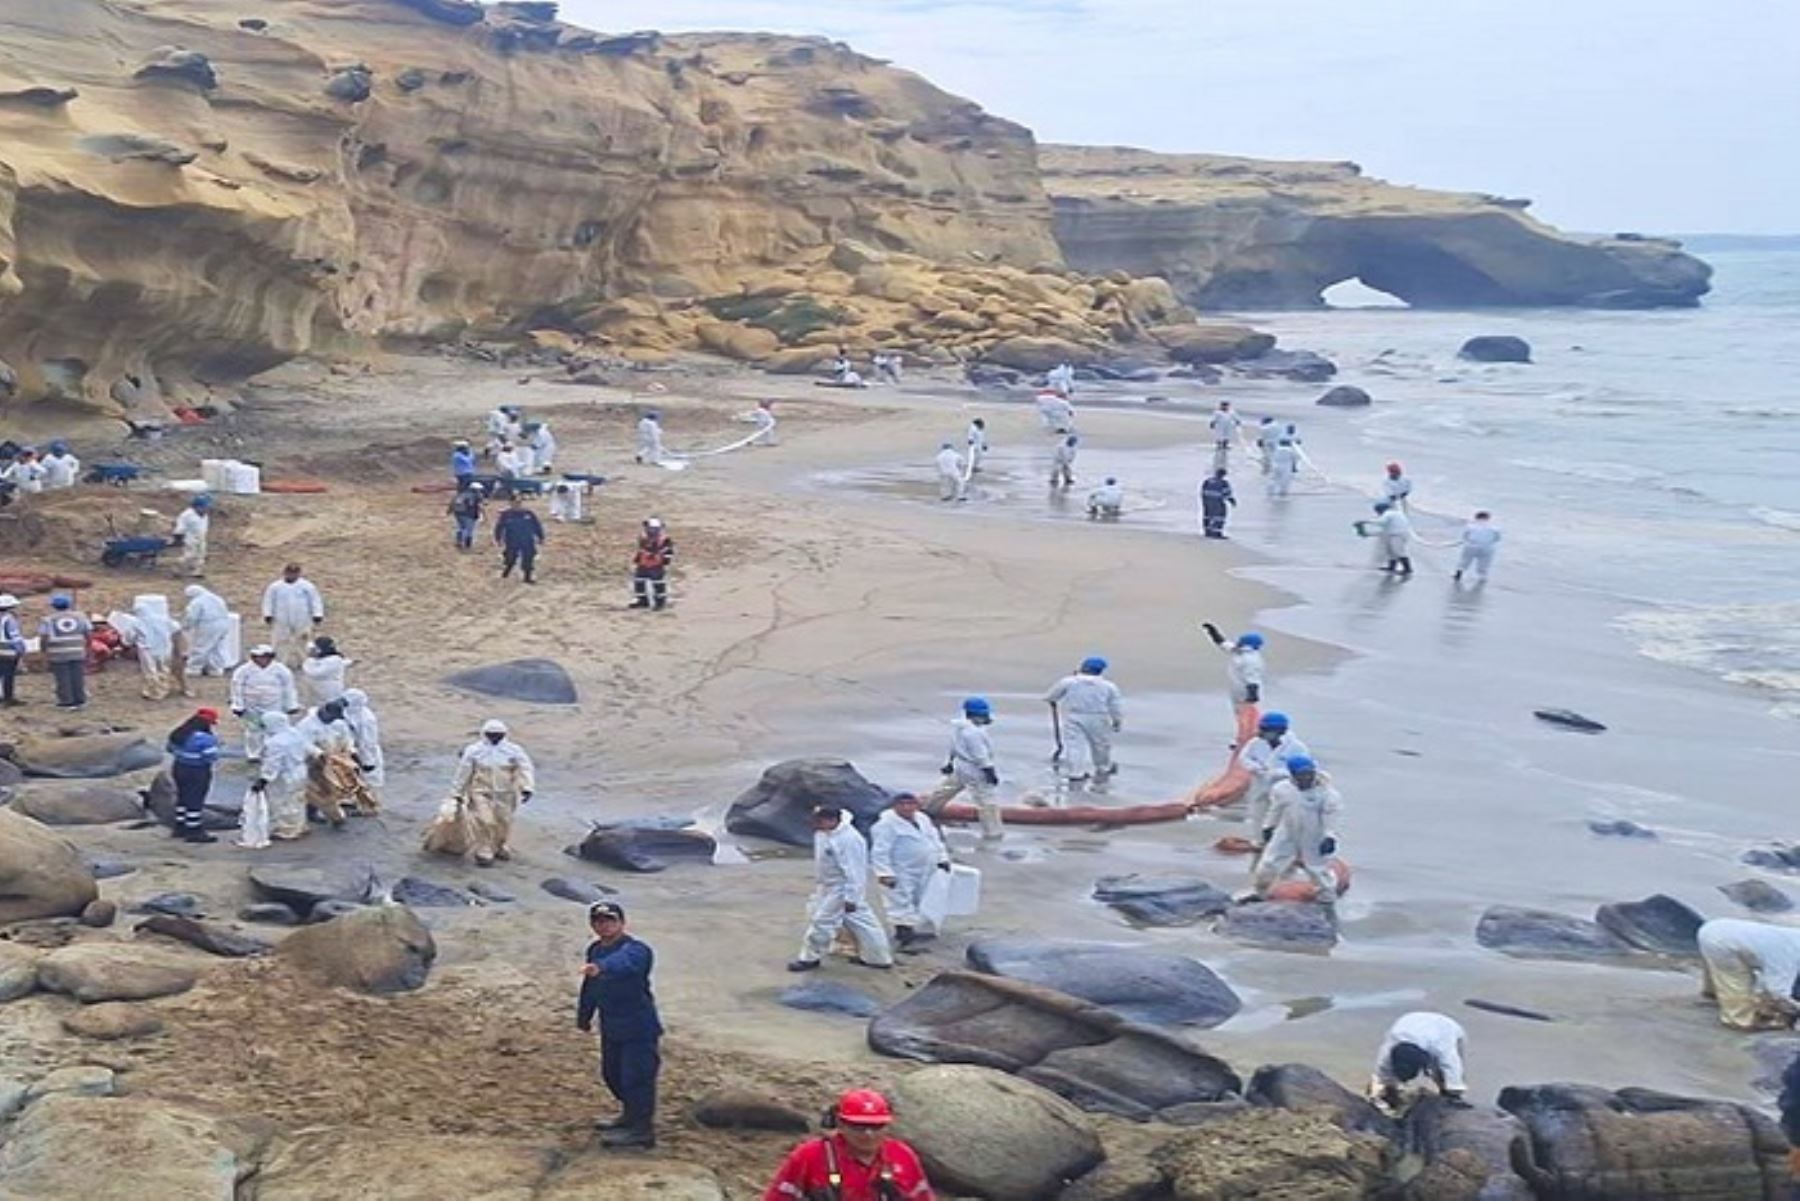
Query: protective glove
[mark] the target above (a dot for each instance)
(1268, 833)
(949, 769)
(585, 1027)
(1212, 631)
(525, 797)
(887, 881)
(944, 866)
(237, 712)
(1117, 726)
(1328, 847)
(849, 906)
(990, 775)
(1254, 693)
(268, 621)
(365, 768)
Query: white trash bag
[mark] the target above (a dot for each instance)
(254, 822)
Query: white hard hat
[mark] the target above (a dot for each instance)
(653, 522)
(493, 725)
(8, 601)
(261, 648)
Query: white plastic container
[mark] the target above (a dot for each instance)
(964, 899)
(213, 472)
(192, 487)
(243, 479)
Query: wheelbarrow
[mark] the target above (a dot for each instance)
(116, 474)
(139, 550)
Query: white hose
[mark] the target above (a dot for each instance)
(676, 460)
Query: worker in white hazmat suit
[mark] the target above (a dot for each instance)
(191, 528)
(1062, 462)
(1106, 502)
(1395, 532)
(334, 782)
(1421, 1049)
(155, 642)
(1224, 424)
(1089, 710)
(292, 608)
(951, 483)
(513, 462)
(1060, 379)
(649, 439)
(494, 777)
(1300, 831)
(763, 418)
(1395, 487)
(542, 445)
(906, 849)
(281, 774)
(840, 895)
(977, 441)
(565, 502)
(322, 674)
(1268, 437)
(61, 469)
(1056, 413)
(206, 622)
(1284, 467)
(365, 735)
(970, 768)
(1244, 665)
(1752, 969)
(260, 687)
(1266, 760)
(502, 428)
(1480, 538)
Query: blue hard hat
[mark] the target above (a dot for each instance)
(202, 502)
(1300, 763)
(59, 447)
(60, 601)
(1253, 641)
(1093, 665)
(977, 706)
(1273, 721)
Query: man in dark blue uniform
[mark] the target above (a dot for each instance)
(519, 533)
(615, 984)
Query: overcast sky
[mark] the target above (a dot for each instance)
(1651, 115)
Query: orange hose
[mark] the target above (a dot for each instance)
(293, 487)
(1229, 786)
(1073, 815)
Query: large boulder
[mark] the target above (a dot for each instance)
(1281, 1155)
(1469, 1153)
(84, 757)
(110, 1021)
(1214, 342)
(534, 681)
(1543, 934)
(1301, 1086)
(1758, 896)
(779, 806)
(1495, 348)
(41, 873)
(1345, 396)
(77, 802)
(1659, 924)
(1642, 1145)
(1162, 900)
(1144, 986)
(746, 343)
(983, 1133)
(1301, 366)
(18, 971)
(1281, 925)
(113, 971)
(301, 888)
(646, 846)
(379, 950)
(73, 1148)
(1081, 1051)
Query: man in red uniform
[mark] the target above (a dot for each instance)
(857, 1162)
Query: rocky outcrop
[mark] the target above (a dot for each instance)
(41, 873)
(1252, 233)
(779, 805)
(75, 1148)
(381, 950)
(987, 1134)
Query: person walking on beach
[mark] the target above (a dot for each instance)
(840, 896)
(1300, 832)
(292, 608)
(1088, 710)
(977, 440)
(1266, 758)
(493, 778)
(193, 751)
(1284, 467)
(462, 464)
(650, 566)
(1480, 538)
(615, 987)
(1062, 463)
(970, 768)
(12, 649)
(1224, 425)
(1395, 487)
(1216, 502)
(856, 1161)
(906, 849)
(649, 438)
(1396, 538)
(951, 483)
(206, 625)
(465, 508)
(261, 687)
(519, 533)
(1268, 436)
(190, 532)
(1421, 1044)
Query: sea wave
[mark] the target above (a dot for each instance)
(1781, 519)
(1757, 646)
(1592, 469)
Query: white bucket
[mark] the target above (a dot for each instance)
(242, 479)
(213, 472)
(964, 899)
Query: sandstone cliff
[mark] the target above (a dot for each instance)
(1245, 233)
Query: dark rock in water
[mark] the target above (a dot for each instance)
(1143, 986)
(272, 913)
(579, 891)
(214, 940)
(1301, 1086)
(1511, 1011)
(1569, 720)
(1086, 1053)
(1658, 923)
(828, 996)
(77, 802)
(988, 375)
(84, 757)
(732, 1108)
(352, 85)
(1345, 396)
(304, 887)
(1162, 900)
(410, 80)
(490, 892)
(779, 806)
(1622, 829)
(1648, 1146)
(332, 908)
(1496, 348)
(1758, 896)
(178, 904)
(1468, 1153)
(1281, 925)
(426, 894)
(1302, 366)
(1778, 856)
(1206, 373)
(110, 869)
(537, 681)
(185, 66)
(1538, 932)
(159, 802)
(647, 847)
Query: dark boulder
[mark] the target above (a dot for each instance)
(1162, 900)
(990, 375)
(535, 681)
(1345, 396)
(302, 888)
(1777, 856)
(332, 908)
(38, 97)
(1622, 829)
(352, 85)
(828, 996)
(78, 802)
(1496, 348)
(491, 892)
(450, 12)
(1540, 933)
(176, 904)
(1083, 1052)
(84, 757)
(1587, 1142)
(1281, 925)
(1659, 924)
(779, 806)
(109, 869)
(1468, 1153)
(99, 914)
(732, 1108)
(419, 893)
(213, 939)
(380, 950)
(410, 80)
(579, 891)
(1153, 987)
(1301, 366)
(173, 64)
(272, 913)
(1568, 719)
(1758, 896)
(646, 846)
(1301, 1086)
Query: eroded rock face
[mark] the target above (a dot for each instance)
(62, 1145)
(1252, 233)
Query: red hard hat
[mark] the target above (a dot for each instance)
(864, 1107)
(207, 714)
(1393, 467)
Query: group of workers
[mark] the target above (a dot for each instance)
(25, 471)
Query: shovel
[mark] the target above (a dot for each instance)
(1056, 756)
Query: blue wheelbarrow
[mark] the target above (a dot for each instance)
(138, 551)
(116, 474)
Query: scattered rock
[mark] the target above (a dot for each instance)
(1300, 1086)
(380, 950)
(410, 80)
(1496, 348)
(1037, 354)
(1778, 856)
(1143, 986)
(272, 913)
(535, 681)
(645, 846)
(352, 85)
(1344, 396)
(77, 802)
(112, 971)
(112, 1020)
(39, 97)
(1622, 829)
(984, 1133)
(329, 910)
(1469, 1153)
(491, 892)
(18, 972)
(1659, 924)
(579, 891)
(450, 12)
(1083, 1052)
(828, 996)
(109, 869)
(301, 888)
(1568, 719)
(1540, 933)
(184, 66)
(1758, 896)
(85, 757)
(1281, 925)
(1162, 900)
(83, 1080)
(179, 904)
(733, 1108)
(63, 1147)
(99, 914)
(213, 939)
(41, 873)
(779, 806)
(1301, 366)
(419, 893)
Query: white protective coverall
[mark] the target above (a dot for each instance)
(1751, 970)
(1479, 538)
(1244, 672)
(155, 642)
(543, 449)
(1224, 425)
(565, 502)
(27, 475)
(1284, 468)
(977, 441)
(1268, 437)
(207, 623)
(1061, 380)
(1396, 488)
(283, 774)
(763, 418)
(1062, 465)
(495, 778)
(1055, 411)
(1396, 534)
(332, 781)
(292, 608)
(951, 485)
(257, 693)
(191, 527)
(649, 440)
(971, 757)
(1090, 709)
(365, 733)
(60, 470)
(322, 677)
(1303, 819)
(1441, 1037)
(1267, 764)
(1108, 500)
(502, 429)
(840, 897)
(909, 852)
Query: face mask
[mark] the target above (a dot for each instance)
(494, 738)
